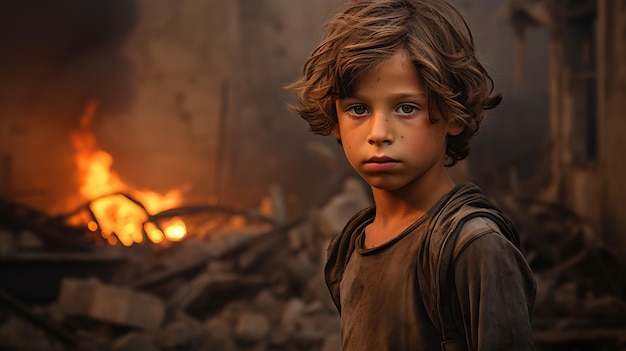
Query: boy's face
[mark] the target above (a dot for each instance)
(385, 129)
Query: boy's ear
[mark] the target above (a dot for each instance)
(455, 128)
(337, 134)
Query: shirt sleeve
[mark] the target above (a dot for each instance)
(496, 292)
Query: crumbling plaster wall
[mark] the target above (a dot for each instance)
(595, 189)
(614, 142)
(210, 108)
(273, 145)
(183, 55)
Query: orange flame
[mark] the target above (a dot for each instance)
(120, 219)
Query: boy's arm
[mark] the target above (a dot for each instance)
(496, 291)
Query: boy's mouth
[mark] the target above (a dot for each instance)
(380, 164)
(380, 159)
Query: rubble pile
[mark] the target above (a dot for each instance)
(581, 287)
(260, 287)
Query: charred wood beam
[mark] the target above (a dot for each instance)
(167, 214)
(54, 231)
(228, 250)
(87, 208)
(173, 212)
(206, 287)
(87, 205)
(188, 210)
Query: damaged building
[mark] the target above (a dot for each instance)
(587, 76)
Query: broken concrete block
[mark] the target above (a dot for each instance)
(316, 289)
(221, 266)
(252, 328)
(133, 342)
(233, 309)
(220, 335)
(27, 240)
(301, 268)
(19, 334)
(7, 242)
(184, 332)
(288, 325)
(269, 244)
(304, 237)
(110, 304)
(299, 236)
(269, 305)
(199, 291)
(341, 207)
(291, 314)
(279, 205)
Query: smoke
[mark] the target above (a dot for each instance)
(59, 54)
(56, 56)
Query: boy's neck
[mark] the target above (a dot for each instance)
(408, 204)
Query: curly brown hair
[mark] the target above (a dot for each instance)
(363, 33)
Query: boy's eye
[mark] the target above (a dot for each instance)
(406, 109)
(357, 110)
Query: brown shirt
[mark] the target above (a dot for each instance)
(380, 297)
(386, 298)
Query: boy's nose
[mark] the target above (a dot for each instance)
(380, 130)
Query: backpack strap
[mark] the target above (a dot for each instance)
(453, 339)
(453, 335)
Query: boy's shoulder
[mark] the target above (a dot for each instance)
(475, 228)
(463, 207)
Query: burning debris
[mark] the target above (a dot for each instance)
(256, 286)
(116, 215)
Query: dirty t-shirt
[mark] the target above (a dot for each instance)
(381, 308)
(388, 296)
(384, 308)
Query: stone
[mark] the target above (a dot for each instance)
(180, 333)
(220, 335)
(110, 304)
(340, 208)
(134, 342)
(252, 328)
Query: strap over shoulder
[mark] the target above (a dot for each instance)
(445, 230)
(444, 285)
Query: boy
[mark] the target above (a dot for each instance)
(433, 264)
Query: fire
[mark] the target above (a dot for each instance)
(118, 217)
